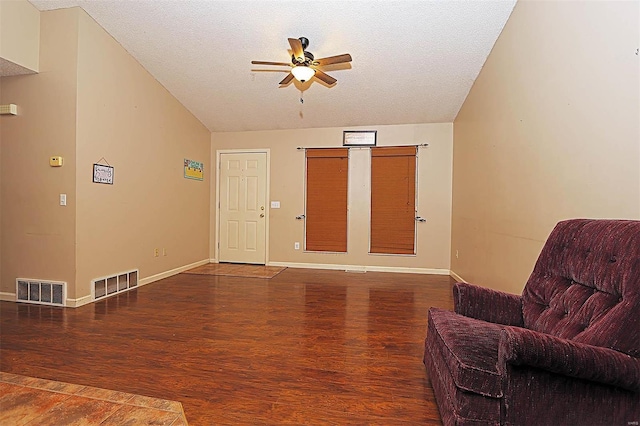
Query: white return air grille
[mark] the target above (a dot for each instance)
(53, 293)
(108, 286)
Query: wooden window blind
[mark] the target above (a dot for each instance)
(326, 209)
(393, 199)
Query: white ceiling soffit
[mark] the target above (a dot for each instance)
(413, 61)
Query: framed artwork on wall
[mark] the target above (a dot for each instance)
(193, 169)
(359, 137)
(102, 174)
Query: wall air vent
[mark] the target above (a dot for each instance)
(108, 286)
(52, 293)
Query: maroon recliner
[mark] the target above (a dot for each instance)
(565, 352)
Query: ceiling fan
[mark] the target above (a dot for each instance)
(303, 65)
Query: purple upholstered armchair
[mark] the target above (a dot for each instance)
(565, 352)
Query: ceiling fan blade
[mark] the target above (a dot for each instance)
(325, 77)
(284, 64)
(338, 59)
(287, 79)
(296, 47)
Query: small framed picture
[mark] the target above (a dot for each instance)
(193, 169)
(102, 174)
(359, 137)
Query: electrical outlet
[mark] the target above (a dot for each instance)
(155, 252)
(296, 245)
(164, 251)
(456, 254)
(63, 199)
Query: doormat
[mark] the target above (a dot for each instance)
(237, 270)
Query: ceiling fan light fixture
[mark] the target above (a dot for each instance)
(304, 66)
(302, 73)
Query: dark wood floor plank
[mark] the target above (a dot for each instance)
(305, 347)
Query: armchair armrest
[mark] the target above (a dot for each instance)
(487, 304)
(521, 346)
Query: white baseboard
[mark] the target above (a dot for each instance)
(457, 277)
(8, 297)
(360, 268)
(71, 303)
(76, 303)
(171, 272)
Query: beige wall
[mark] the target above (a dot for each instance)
(127, 117)
(38, 235)
(549, 131)
(1, 191)
(287, 186)
(92, 100)
(20, 33)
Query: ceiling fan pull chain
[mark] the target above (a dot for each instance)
(301, 113)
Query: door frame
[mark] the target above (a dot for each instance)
(216, 239)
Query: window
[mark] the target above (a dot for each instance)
(326, 205)
(393, 200)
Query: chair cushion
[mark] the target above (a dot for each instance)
(457, 407)
(470, 350)
(586, 284)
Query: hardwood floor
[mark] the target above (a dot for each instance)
(305, 347)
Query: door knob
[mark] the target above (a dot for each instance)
(261, 214)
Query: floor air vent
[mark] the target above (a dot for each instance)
(108, 286)
(53, 293)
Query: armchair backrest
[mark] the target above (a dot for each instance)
(585, 285)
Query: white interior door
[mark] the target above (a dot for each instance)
(242, 192)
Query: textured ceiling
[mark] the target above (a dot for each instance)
(413, 61)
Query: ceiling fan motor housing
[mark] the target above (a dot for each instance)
(308, 59)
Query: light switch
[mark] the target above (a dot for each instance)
(10, 109)
(63, 199)
(275, 204)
